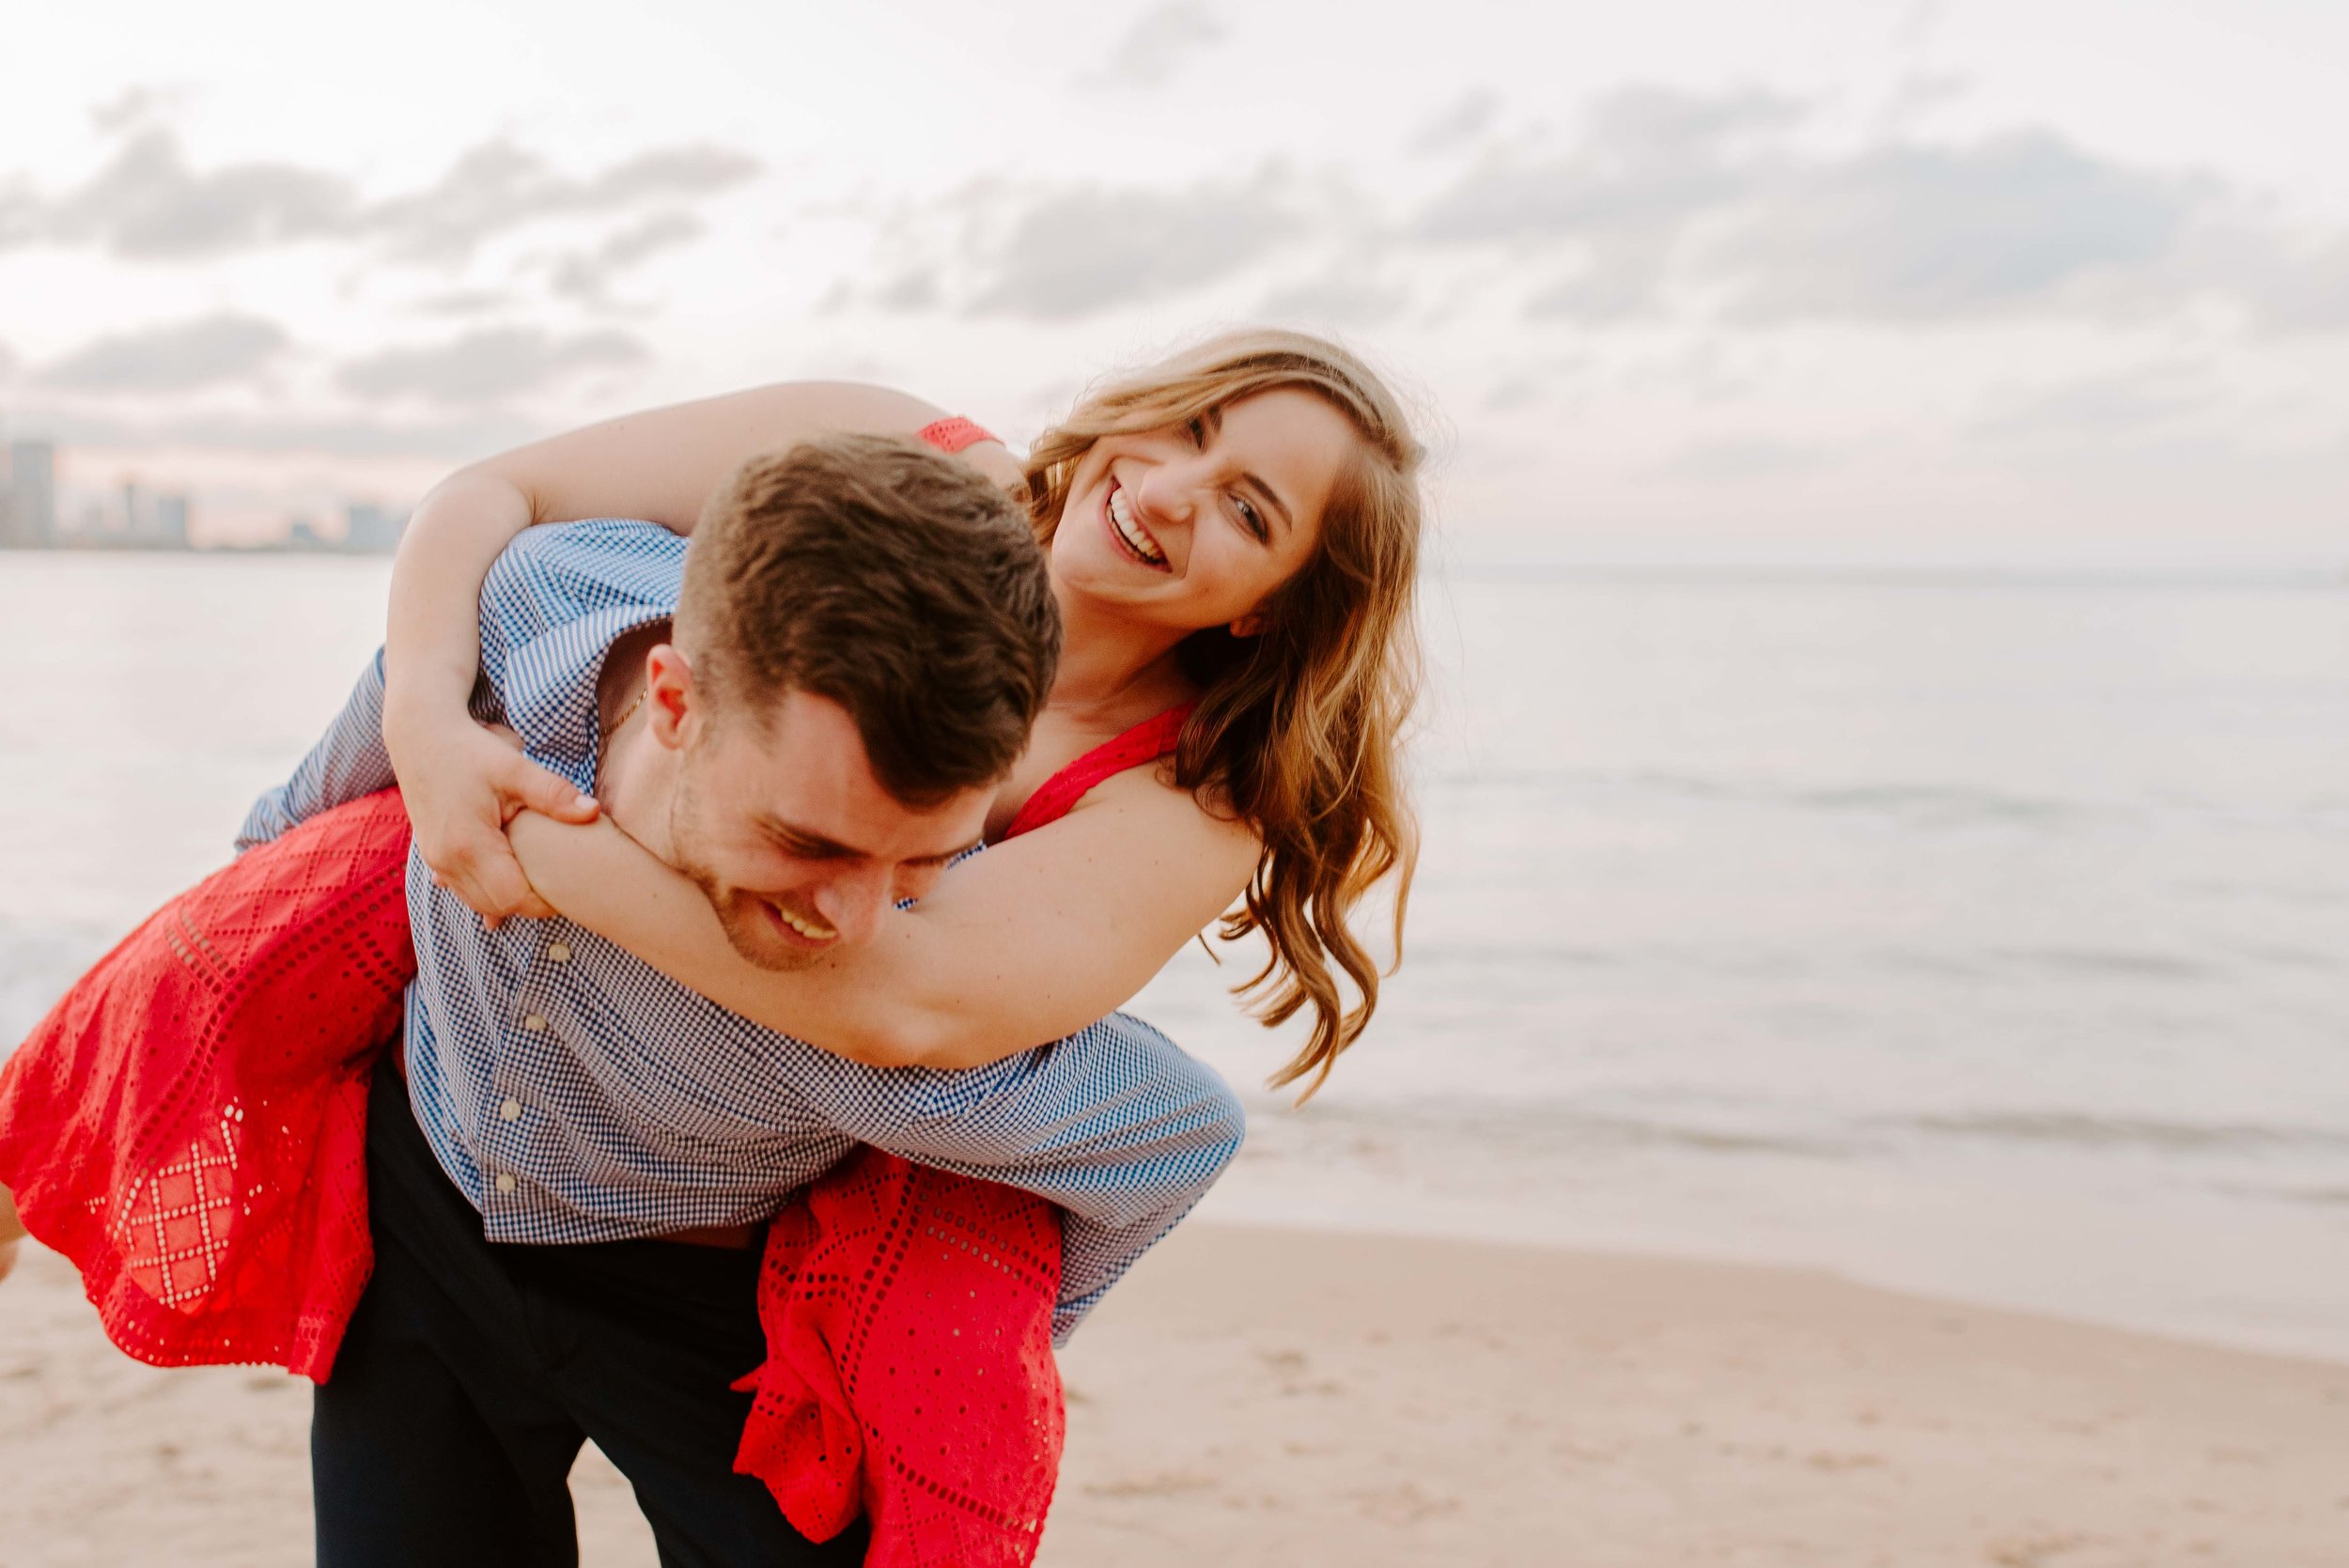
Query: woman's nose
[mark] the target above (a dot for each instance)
(1166, 494)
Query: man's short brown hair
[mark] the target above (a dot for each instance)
(891, 580)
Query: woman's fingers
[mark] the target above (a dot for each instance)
(527, 786)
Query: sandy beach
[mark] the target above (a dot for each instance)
(1260, 1396)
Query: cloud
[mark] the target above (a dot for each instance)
(2140, 403)
(1463, 122)
(1161, 41)
(588, 274)
(1736, 459)
(1922, 233)
(497, 187)
(1651, 159)
(148, 202)
(1337, 299)
(148, 205)
(1077, 250)
(179, 358)
(482, 366)
(1670, 202)
(134, 106)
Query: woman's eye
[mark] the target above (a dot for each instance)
(1255, 523)
(1197, 430)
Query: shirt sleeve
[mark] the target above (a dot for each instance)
(553, 596)
(1115, 1124)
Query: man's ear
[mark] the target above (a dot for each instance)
(675, 706)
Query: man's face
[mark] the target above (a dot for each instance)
(796, 846)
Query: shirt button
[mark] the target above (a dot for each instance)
(510, 1110)
(506, 1181)
(560, 953)
(536, 1024)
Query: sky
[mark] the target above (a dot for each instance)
(1973, 282)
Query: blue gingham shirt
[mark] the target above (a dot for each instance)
(575, 1094)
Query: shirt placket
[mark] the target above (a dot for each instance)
(533, 1032)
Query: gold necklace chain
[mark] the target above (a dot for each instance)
(626, 714)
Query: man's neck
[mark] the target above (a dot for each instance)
(635, 776)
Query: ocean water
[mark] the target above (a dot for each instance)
(1983, 938)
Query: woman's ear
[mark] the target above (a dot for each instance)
(1249, 625)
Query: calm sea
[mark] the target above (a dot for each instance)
(1981, 938)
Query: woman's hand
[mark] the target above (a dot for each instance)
(463, 783)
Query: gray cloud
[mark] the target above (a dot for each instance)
(588, 274)
(497, 187)
(1081, 250)
(1739, 458)
(1163, 41)
(134, 106)
(1338, 299)
(1461, 123)
(178, 357)
(1676, 201)
(1651, 159)
(2147, 402)
(1652, 162)
(484, 365)
(149, 203)
(1924, 233)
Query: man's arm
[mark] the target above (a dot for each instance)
(1114, 1124)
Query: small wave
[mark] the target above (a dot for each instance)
(2106, 963)
(2076, 1130)
(1549, 1128)
(1931, 806)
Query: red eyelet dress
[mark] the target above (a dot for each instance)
(187, 1127)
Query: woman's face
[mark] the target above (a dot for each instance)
(1196, 527)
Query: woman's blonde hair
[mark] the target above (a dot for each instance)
(1298, 730)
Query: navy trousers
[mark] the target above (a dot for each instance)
(472, 1371)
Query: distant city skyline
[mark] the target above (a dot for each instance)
(36, 514)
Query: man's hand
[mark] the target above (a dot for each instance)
(463, 783)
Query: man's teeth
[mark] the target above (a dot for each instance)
(1122, 514)
(814, 931)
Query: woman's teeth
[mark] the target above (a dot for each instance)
(1136, 536)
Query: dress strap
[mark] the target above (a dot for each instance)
(952, 435)
(1145, 742)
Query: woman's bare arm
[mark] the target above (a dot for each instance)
(460, 784)
(1030, 941)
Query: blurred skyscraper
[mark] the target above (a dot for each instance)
(370, 530)
(28, 519)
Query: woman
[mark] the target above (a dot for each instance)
(1233, 541)
(1232, 538)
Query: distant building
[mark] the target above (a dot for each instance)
(32, 495)
(171, 522)
(371, 530)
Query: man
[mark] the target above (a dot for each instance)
(848, 655)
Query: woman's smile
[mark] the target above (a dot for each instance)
(1127, 529)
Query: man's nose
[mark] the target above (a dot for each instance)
(853, 902)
